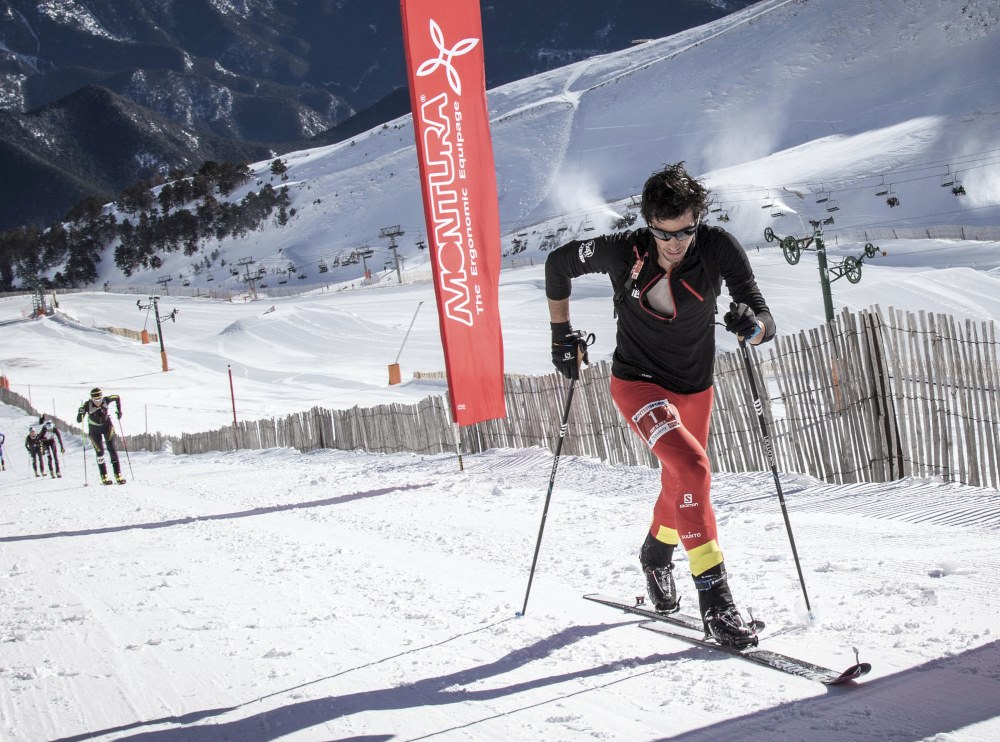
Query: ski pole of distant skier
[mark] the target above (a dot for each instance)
(121, 431)
(769, 450)
(563, 427)
(83, 440)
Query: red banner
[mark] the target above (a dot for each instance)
(444, 60)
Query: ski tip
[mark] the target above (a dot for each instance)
(851, 673)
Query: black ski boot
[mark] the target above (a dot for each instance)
(655, 558)
(722, 620)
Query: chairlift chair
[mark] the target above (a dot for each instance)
(948, 179)
(881, 189)
(833, 205)
(822, 197)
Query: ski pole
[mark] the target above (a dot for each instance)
(121, 431)
(83, 439)
(563, 427)
(769, 450)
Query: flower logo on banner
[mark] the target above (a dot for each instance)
(444, 57)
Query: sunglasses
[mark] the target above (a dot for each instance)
(681, 234)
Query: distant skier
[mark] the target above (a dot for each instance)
(3, 464)
(50, 435)
(101, 430)
(33, 444)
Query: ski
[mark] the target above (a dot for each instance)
(768, 658)
(691, 630)
(639, 608)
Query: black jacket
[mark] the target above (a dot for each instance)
(99, 415)
(675, 352)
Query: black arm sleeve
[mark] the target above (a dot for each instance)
(738, 275)
(608, 253)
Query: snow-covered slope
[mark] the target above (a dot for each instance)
(782, 101)
(271, 595)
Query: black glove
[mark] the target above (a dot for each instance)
(569, 349)
(741, 321)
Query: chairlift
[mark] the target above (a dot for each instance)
(822, 197)
(957, 188)
(587, 226)
(714, 206)
(323, 267)
(186, 282)
(282, 281)
(421, 245)
(768, 202)
(948, 179)
(892, 198)
(833, 205)
(776, 212)
(881, 189)
(828, 220)
(210, 278)
(302, 275)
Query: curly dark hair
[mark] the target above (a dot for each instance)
(670, 192)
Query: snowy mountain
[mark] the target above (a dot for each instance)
(264, 595)
(780, 105)
(241, 79)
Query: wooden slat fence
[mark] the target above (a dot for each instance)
(862, 399)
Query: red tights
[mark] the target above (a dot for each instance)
(675, 426)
